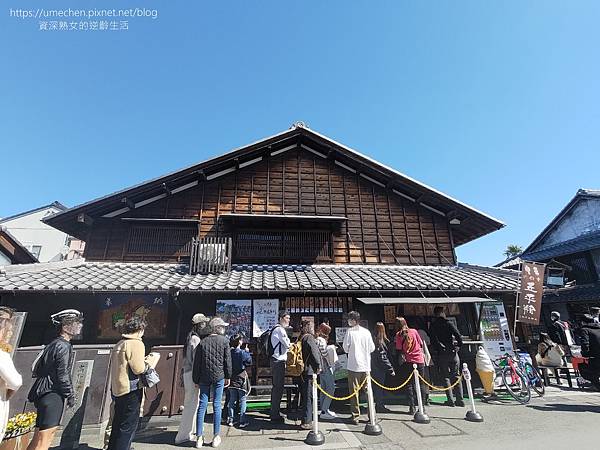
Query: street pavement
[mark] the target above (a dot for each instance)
(562, 417)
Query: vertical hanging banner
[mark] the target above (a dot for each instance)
(531, 291)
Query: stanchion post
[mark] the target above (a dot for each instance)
(420, 416)
(473, 415)
(315, 437)
(372, 428)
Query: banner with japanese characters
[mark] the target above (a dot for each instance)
(531, 291)
(264, 315)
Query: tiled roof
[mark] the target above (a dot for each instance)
(582, 243)
(95, 276)
(584, 293)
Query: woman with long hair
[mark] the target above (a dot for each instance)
(409, 346)
(380, 365)
(327, 380)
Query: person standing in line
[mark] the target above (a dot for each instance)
(187, 425)
(327, 379)
(10, 379)
(53, 385)
(240, 382)
(410, 346)
(358, 344)
(420, 327)
(312, 365)
(381, 366)
(127, 362)
(280, 343)
(212, 373)
(446, 339)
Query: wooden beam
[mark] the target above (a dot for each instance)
(85, 219)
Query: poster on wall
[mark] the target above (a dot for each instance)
(340, 333)
(389, 312)
(115, 309)
(264, 316)
(238, 314)
(310, 319)
(11, 331)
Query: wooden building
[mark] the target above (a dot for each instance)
(295, 217)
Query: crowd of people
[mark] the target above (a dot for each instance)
(215, 366)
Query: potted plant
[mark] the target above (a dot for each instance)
(19, 431)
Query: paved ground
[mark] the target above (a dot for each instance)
(564, 417)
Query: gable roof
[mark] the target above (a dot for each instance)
(13, 249)
(473, 223)
(54, 204)
(580, 195)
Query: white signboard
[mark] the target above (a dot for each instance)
(265, 315)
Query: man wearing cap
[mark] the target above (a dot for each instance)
(187, 426)
(212, 372)
(53, 385)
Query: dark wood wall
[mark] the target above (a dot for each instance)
(382, 227)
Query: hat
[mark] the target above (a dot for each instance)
(555, 314)
(596, 309)
(66, 316)
(217, 322)
(199, 317)
(587, 318)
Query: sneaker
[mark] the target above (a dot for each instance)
(326, 416)
(331, 413)
(229, 422)
(354, 420)
(244, 424)
(460, 403)
(216, 441)
(199, 442)
(382, 409)
(279, 419)
(449, 403)
(412, 410)
(306, 426)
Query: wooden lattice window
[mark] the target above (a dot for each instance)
(160, 240)
(283, 246)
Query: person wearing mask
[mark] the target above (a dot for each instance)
(410, 345)
(187, 425)
(212, 373)
(358, 344)
(10, 379)
(53, 385)
(326, 379)
(446, 339)
(381, 366)
(240, 383)
(560, 332)
(127, 363)
(312, 365)
(281, 344)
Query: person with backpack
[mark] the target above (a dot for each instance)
(53, 385)
(240, 382)
(446, 339)
(311, 364)
(187, 425)
(278, 345)
(358, 344)
(326, 379)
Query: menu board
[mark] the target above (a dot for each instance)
(264, 316)
(495, 331)
(389, 313)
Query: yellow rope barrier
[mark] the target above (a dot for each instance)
(393, 388)
(435, 388)
(341, 399)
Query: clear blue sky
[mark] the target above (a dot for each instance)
(495, 103)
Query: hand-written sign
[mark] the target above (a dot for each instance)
(531, 290)
(264, 315)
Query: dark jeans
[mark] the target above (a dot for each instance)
(306, 400)
(125, 420)
(278, 374)
(449, 366)
(378, 373)
(405, 371)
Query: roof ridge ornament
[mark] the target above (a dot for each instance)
(299, 124)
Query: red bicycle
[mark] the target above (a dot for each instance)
(513, 378)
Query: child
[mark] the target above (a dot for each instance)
(240, 383)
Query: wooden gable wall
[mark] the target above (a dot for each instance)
(382, 227)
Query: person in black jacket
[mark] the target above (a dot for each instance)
(446, 339)
(212, 373)
(380, 365)
(311, 356)
(53, 384)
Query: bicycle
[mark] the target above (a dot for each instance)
(514, 380)
(534, 378)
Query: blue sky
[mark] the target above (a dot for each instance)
(496, 104)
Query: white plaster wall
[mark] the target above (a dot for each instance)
(30, 230)
(4, 260)
(583, 218)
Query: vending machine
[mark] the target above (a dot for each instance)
(495, 330)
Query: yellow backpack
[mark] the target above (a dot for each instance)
(295, 363)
